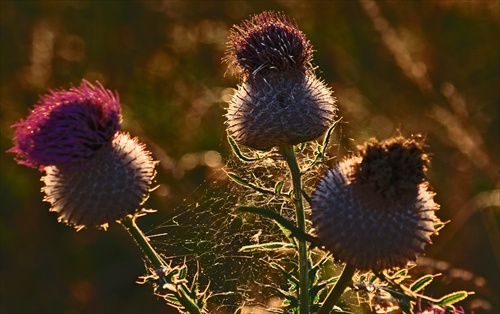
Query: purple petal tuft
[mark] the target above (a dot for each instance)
(66, 126)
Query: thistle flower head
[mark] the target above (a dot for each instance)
(374, 211)
(280, 109)
(280, 101)
(67, 126)
(268, 41)
(109, 186)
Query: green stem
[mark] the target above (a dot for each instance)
(288, 153)
(142, 241)
(344, 281)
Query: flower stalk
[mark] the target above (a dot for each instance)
(181, 290)
(129, 224)
(289, 154)
(344, 281)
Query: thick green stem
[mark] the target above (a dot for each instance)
(288, 153)
(142, 241)
(344, 281)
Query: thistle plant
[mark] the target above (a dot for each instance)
(371, 213)
(280, 103)
(95, 174)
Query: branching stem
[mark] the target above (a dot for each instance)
(142, 241)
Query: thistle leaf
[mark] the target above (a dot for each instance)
(272, 246)
(453, 298)
(280, 220)
(421, 283)
(238, 152)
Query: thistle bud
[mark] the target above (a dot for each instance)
(280, 109)
(268, 42)
(374, 210)
(67, 126)
(108, 186)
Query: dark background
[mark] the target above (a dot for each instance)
(429, 67)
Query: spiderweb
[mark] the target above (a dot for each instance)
(215, 240)
(208, 235)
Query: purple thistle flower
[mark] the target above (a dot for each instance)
(268, 41)
(67, 126)
(374, 211)
(280, 101)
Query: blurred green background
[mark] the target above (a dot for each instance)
(429, 67)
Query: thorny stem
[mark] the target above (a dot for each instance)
(142, 241)
(288, 153)
(332, 298)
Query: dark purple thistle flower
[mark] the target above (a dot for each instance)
(392, 167)
(268, 41)
(67, 126)
(374, 211)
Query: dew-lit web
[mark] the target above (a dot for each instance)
(208, 234)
